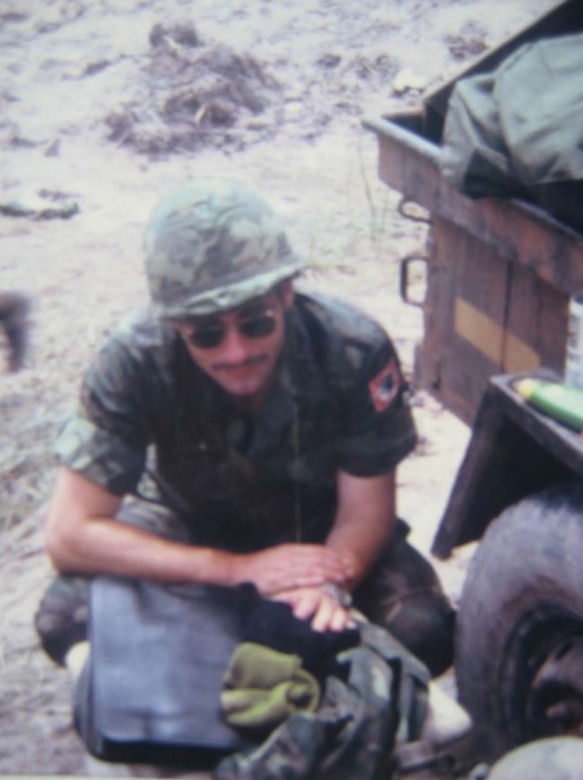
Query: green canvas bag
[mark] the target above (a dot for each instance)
(518, 131)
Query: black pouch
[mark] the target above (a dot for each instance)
(150, 691)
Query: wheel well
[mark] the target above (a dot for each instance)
(518, 466)
(503, 464)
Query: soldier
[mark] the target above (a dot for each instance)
(269, 424)
(14, 308)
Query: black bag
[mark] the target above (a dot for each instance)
(150, 692)
(142, 698)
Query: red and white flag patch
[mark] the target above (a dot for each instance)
(385, 386)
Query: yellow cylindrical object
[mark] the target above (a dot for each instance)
(562, 403)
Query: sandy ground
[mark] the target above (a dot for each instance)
(107, 104)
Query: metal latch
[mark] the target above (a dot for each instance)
(413, 279)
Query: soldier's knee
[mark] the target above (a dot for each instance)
(61, 618)
(424, 623)
(404, 595)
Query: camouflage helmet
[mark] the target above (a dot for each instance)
(211, 245)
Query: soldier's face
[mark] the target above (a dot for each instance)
(239, 349)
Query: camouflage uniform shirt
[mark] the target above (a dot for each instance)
(243, 483)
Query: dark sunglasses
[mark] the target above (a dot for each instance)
(255, 327)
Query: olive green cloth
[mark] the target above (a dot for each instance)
(263, 687)
(380, 705)
(517, 131)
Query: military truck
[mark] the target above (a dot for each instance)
(499, 277)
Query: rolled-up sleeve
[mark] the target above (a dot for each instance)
(100, 456)
(106, 440)
(378, 431)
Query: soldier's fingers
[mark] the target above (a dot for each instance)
(341, 620)
(305, 604)
(330, 616)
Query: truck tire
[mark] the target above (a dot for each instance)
(555, 758)
(521, 611)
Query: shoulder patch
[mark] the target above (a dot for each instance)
(385, 386)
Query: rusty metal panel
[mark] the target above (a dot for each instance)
(514, 229)
(500, 274)
(537, 316)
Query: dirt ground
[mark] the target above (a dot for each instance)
(107, 104)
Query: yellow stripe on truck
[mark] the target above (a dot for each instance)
(505, 349)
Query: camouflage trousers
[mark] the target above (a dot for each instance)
(402, 594)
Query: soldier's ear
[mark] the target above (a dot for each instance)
(179, 327)
(287, 294)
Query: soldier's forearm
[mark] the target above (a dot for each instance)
(363, 542)
(364, 520)
(106, 546)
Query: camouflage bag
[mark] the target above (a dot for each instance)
(355, 730)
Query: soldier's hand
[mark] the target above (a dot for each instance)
(289, 566)
(318, 604)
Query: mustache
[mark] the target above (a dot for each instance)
(254, 360)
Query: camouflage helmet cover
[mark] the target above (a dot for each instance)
(210, 246)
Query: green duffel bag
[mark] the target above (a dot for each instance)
(518, 131)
